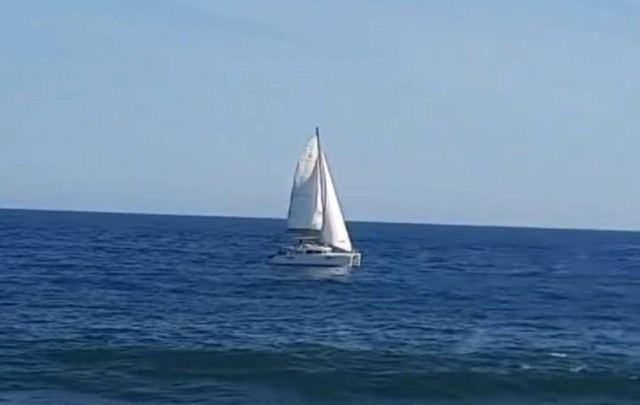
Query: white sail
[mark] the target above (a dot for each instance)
(334, 231)
(305, 206)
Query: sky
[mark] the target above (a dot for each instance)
(455, 112)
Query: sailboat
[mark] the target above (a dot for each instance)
(315, 220)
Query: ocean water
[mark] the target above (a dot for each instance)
(122, 309)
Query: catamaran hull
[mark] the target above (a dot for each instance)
(332, 259)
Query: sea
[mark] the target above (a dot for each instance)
(121, 309)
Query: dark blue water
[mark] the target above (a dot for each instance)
(121, 309)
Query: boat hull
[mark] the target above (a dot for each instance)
(328, 259)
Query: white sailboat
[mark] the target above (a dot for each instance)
(315, 218)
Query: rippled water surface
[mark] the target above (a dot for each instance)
(121, 309)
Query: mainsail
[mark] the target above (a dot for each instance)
(334, 231)
(305, 206)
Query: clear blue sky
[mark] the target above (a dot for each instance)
(467, 112)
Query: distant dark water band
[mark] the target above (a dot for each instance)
(325, 373)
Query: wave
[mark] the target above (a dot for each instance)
(323, 372)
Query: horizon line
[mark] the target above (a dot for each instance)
(115, 212)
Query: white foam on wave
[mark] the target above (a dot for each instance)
(578, 369)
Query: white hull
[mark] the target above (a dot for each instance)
(325, 259)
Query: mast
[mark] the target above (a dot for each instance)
(322, 179)
(318, 140)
